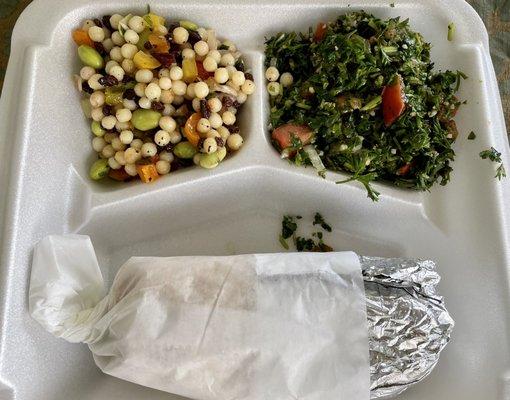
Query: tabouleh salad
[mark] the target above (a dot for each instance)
(160, 95)
(360, 95)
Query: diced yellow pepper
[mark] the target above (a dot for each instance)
(189, 70)
(159, 43)
(153, 20)
(148, 173)
(144, 60)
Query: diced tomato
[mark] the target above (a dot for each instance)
(202, 73)
(159, 44)
(190, 129)
(119, 174)
(393, 104)
(320, 32)
(404, 169)
(148, 172)
(284, 133)
(82, 37)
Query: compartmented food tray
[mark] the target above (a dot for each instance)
(237, 207)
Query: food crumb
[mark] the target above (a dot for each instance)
(451, 31)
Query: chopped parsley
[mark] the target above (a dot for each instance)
(303, 244)
(289, 226)
(318, 219)
(495, 156)
(472, 136)
(315, 243)
(357, 58)
(283, 242)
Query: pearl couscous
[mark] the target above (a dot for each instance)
(160, 95)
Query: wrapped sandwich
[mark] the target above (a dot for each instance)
(313, 326)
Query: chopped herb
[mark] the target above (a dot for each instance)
(315, 243)
(283, 242)
(318, 234)
(495, 156)
(319, 220)
(472, 136)
(289, 226)
(356, 61)
(392, 5)
(148, 8)
(303, 244)
(223, 47)
(500, 172)
(451, 31)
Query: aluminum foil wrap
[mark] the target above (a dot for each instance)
(408, 322)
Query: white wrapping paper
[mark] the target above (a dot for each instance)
(254, 327)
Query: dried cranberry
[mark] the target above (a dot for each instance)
(178, 57)
(108, 80)
(165, 59)
(169, 147)
(106, 22)
(100, 48)
(112, 81)
(129, 94)
(236, 104)
(147, 45)
(239, 65)
(194, 37)
(227, 101)
(172, 26)
(204, 109)
(86, 88)
(107, 110)
(233, 128)
(249, 76)
(98, 22)
(181, 163)
(157, 106)
(219, 141)
(174, 47)
(127, 79)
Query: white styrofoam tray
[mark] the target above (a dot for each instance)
(237, 208)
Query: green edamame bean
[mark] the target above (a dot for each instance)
(99, 169)
(145, 120)
(97, 129)
(184, 150)
(222, 152)
(209, 160)
(90, 57)
(191, 26)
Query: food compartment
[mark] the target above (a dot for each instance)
(64, 55)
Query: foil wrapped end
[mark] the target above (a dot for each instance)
(408, 322)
